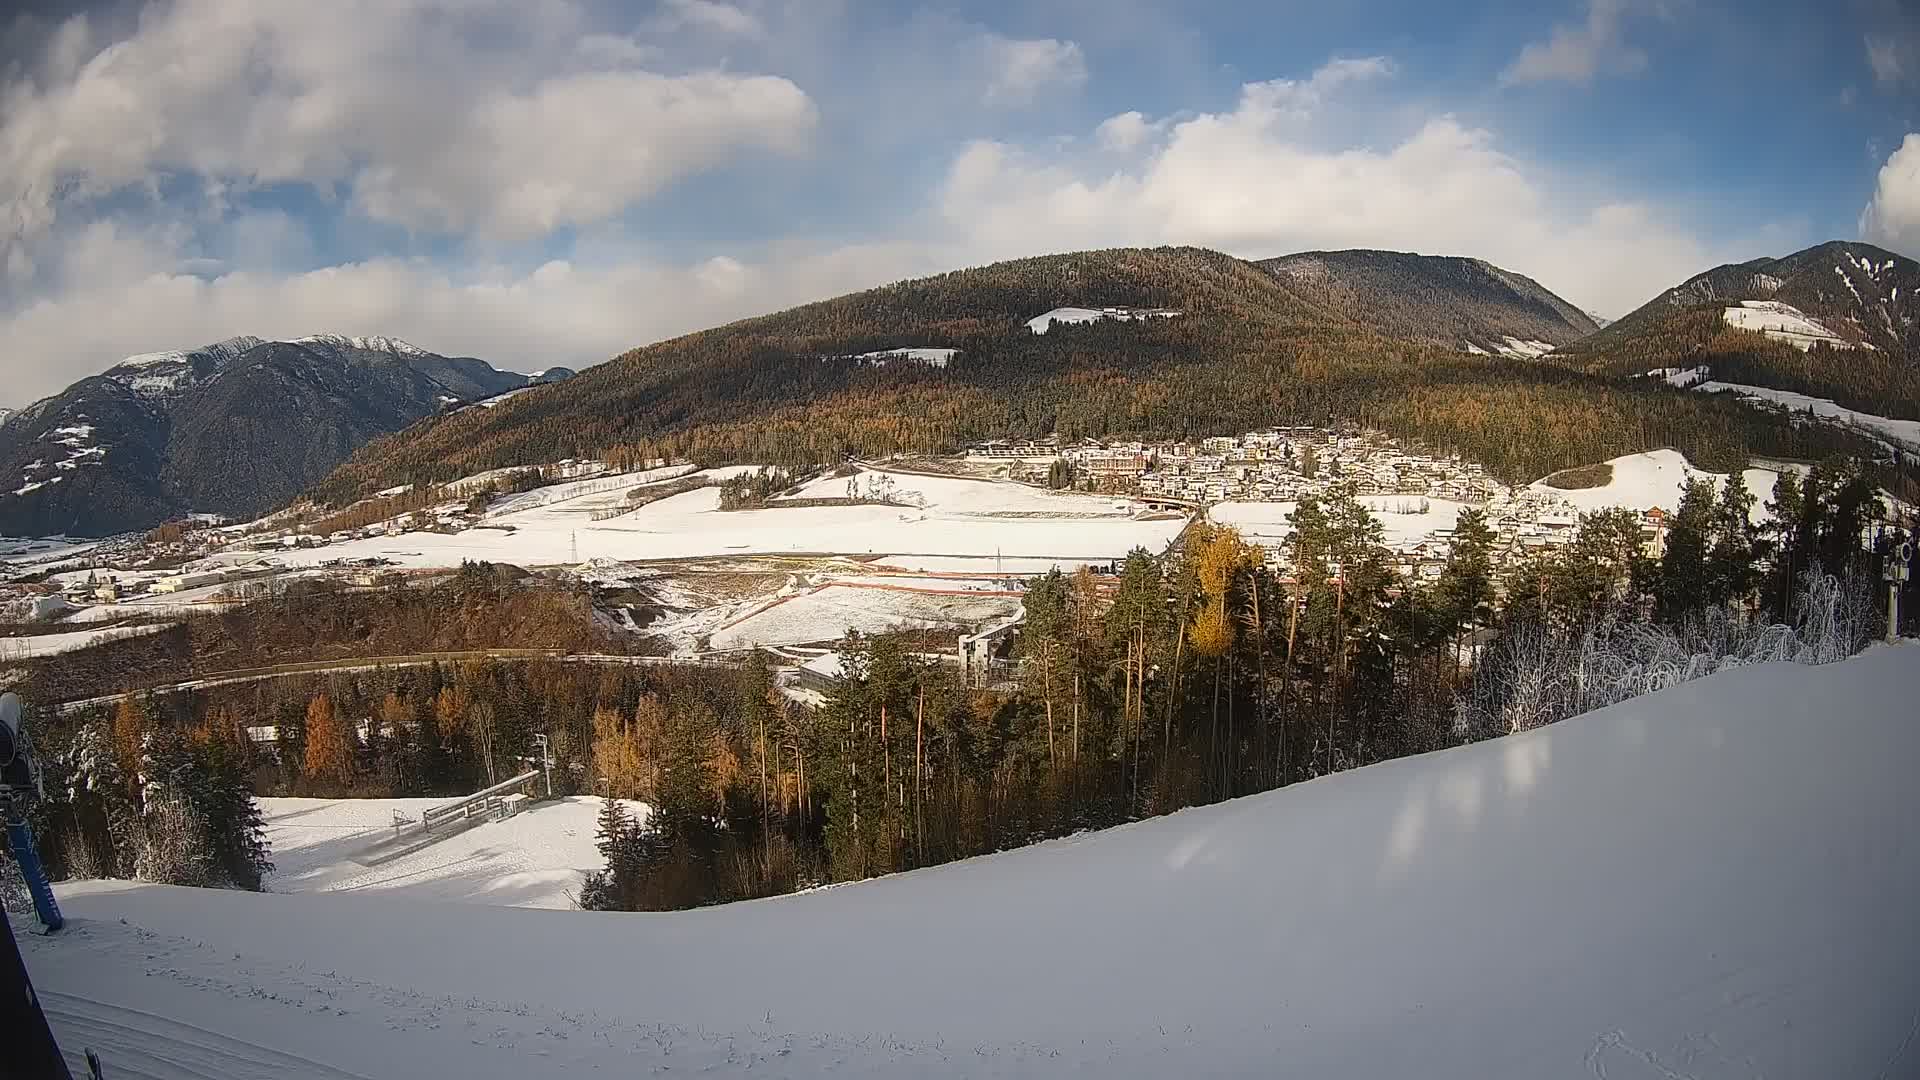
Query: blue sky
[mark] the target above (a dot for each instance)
(553, 181)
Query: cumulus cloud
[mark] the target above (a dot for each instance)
(1126, 131)
(1280, 173)
(1576, 52)
(580, 148)
(429, 114)
(1892, 217)
(1019, 70)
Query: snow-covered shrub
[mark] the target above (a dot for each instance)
(14, 897)
(174, 846)
(1534, 675)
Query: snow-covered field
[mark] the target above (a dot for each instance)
(1905, 432)
(1656, 478)
(45, 549)
(1524, 350)
(1715, 881)
(952, 517)
(1783, 322)
(1040, 324)
(1404, 519)
(829, 612)
(987, 564)
(535, 859)
(38, 645)
(919, 354)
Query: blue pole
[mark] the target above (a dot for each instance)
(21, 838)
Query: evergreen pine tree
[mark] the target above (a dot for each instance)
(1732, 570)
(1466, 585)
(1684, 584)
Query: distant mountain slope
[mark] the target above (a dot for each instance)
(5, 413)
(235, 428)
(1840, 320)
(1233, 346)
(1453, 302)
(1856, 292)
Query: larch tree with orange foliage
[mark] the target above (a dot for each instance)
(329, 747)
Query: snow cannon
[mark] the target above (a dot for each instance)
(19, 786)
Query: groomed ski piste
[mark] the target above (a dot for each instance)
(1717, 880)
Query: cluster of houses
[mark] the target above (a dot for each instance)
(1282, 464)
(112, 588)
(1288, 464)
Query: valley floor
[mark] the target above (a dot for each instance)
(1718, 880)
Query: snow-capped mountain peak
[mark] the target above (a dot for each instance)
(221, 350)
(371, 343)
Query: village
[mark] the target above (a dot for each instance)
(1252, 481)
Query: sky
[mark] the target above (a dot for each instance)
(540, 182)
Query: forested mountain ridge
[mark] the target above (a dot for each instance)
(1840, 320)
(1246, 351)
(1443, 300)
(233, 428)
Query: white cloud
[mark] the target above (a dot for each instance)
(1894, 57)
(1019, 70)
(501, 115)
(1892, 217)
(1125, 131)
(580, 148)
(1283, 172)
(1883, 58)
(708, 15)
(1577, 52)
(561, 312)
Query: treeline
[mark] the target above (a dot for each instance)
(481, 606)
(129, 799)
(1247, 352)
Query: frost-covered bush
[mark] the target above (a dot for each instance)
(1534, 675)
(14, 897)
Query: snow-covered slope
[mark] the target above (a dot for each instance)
(1655, 478)
(1886, 428)
(1714, 881)
(1040, 324)
(1523, 350)
(1783, 322)
(535, 859)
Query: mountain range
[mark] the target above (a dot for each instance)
(1450, 352)
(234, 428)
(1123, 343)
